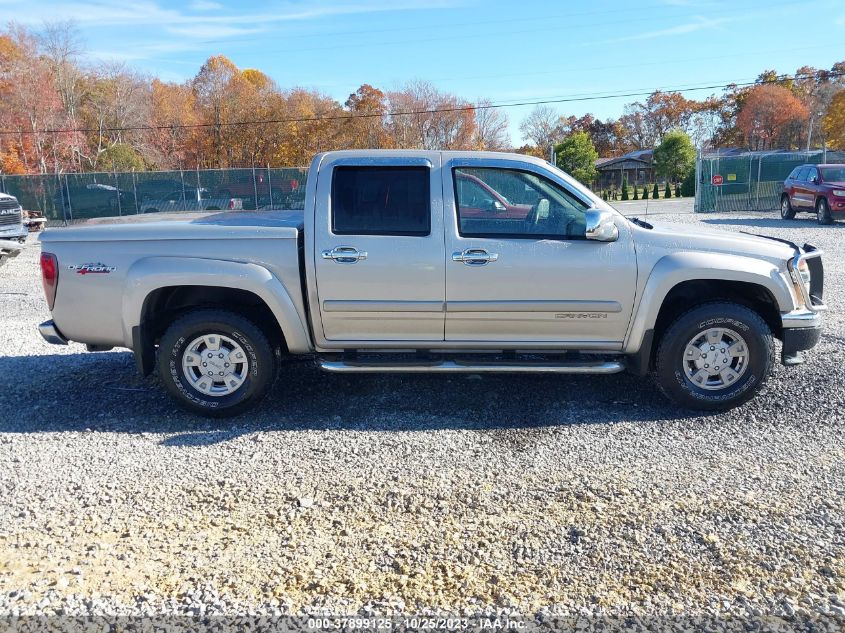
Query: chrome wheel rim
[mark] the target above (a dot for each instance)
(784, 207)
(715, 358)
(215, 365)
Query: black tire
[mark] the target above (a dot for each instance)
(823, 212)
(786, 210)
(261, 362)
(670, 363)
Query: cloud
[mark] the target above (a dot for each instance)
(699, 23)
(209, 31)
(159, 29)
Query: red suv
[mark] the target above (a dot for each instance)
(816, 188)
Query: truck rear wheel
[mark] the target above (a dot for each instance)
(216, 363)
(714, 357)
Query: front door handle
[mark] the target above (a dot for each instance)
(344, 254)
(475, 257)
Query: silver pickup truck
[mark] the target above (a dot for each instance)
(425, 261)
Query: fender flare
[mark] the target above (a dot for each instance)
(153, 273)
(677, 268)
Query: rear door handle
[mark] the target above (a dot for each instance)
(344, 254)
(474, 257)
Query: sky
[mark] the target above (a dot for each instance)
(509, 52)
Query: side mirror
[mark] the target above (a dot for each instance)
(497, 206)
(815, 180)
(600, 226)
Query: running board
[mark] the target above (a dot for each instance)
(457, 366)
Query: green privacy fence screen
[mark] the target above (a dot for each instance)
(751, 181)
(69, 197)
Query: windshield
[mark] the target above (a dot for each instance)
(833, 174)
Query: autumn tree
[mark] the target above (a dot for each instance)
(491, 128)
(365, 128)
(421, 117)
(542, 127)
(170, 140)
(608, 136)
(833, 123)
(577, 156)
(116, 106)
(771, 116)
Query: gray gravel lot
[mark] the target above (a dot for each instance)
(578, 495)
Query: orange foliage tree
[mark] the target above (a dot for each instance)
(771, 116)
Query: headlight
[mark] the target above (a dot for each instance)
(839, 193)
(804, 273)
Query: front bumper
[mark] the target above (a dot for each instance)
(50, 333)
(18, 232)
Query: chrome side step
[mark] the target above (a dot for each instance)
(460, 366)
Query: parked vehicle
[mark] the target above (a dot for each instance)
(156, 188)
(481, 200)
(8, 249)
(389, 269)
(12, 225)
(190, 200)
(245, 185)
(34, 221)
(93, 200)
(819, 189)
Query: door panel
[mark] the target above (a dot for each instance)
(374, 287)
(567, 293)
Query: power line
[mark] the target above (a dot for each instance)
(464, 108)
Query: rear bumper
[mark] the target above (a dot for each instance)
(50, 333)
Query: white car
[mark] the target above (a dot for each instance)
(193, 199)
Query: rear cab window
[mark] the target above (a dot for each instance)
(381, 200)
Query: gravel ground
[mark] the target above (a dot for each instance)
(523, 494)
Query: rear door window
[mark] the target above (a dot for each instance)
(381, 201)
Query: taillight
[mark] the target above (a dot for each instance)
(231, 203)
(49, 277)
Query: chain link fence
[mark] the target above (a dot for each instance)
(64, 198)
(750, 181)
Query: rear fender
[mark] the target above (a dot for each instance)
(152, 273)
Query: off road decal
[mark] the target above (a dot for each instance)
(91, 269)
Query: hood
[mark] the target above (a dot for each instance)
(678, 237)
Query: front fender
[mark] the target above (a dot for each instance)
(152, 273)
(676, 268)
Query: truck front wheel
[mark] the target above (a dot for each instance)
(216, 363)
(714, 357)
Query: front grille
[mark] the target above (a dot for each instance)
(8, 203)
(11, 218)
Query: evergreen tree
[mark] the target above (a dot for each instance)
(655, 193)
(624, 188)
(636, 192)
(677, 190)
(667, 192)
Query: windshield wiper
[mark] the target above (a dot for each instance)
(641, 223)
